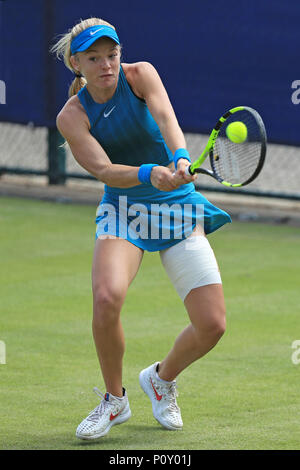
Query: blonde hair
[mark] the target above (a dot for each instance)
(62, 49)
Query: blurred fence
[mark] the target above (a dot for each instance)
(27, 150)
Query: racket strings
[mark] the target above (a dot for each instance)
(237, 162)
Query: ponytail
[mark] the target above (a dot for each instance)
(76, 85)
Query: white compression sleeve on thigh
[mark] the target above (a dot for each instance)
(191, 263)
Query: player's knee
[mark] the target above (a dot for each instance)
(107, 306)
(214, 327)
(219, 327)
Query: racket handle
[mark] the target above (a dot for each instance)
(188, 170)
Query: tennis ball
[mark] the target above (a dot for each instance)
(237, 132)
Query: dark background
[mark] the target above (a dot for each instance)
(211, 56)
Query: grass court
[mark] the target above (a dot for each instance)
(244, 394)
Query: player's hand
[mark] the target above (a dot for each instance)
(180, 175)
(164, 179)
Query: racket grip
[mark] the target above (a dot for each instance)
(187, 171)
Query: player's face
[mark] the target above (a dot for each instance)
(100, 64)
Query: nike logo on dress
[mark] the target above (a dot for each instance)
(158, 397)
(113, 416)
(107, 114)
(94, 32)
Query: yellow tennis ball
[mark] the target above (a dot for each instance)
(237, 132)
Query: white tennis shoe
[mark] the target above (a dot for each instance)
(163, 397)
(112, 410)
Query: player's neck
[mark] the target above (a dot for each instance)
(101, 95)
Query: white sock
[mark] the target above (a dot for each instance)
(162, 380)
(117, 398)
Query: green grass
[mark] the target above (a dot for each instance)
(244, 394)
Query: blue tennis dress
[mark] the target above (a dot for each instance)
(147, 217)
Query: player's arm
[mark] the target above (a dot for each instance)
(147, 84)
(73, 124)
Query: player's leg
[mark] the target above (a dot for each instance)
(115, 264)
(192, 267)
(206, 308)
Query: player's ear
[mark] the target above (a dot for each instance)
(74, 63)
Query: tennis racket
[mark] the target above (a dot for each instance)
(234, 164)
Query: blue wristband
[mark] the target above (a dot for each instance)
(181, 153)
(144, 173)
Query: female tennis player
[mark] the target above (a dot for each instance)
(121, 128)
